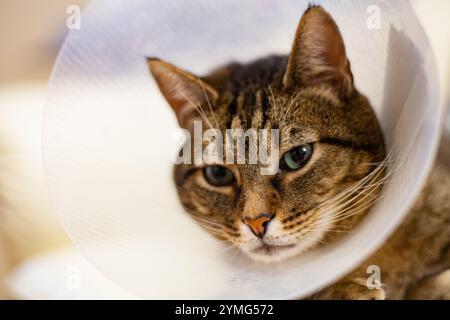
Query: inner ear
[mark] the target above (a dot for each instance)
(318, 54)
(186, 94)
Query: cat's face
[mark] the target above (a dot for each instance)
(330, 143)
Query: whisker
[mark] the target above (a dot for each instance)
(209, 104)
(367, 187)
(310, 238)
(288, 109)
(213, 226)
(338, 216)
(337, 213)
(356, 211)
(347, 192)
(342, 196)
(372, 187)
(199, 109)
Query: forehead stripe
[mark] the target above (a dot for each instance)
(349, 144)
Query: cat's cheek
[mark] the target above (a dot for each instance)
(277, 235)
(247, 241)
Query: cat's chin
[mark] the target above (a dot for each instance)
(272, 253)
(277, 246)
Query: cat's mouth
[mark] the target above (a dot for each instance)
(271, 249)
(272, 253)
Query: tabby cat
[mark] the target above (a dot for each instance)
(330, 170)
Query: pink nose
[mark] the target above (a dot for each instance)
(259, 223)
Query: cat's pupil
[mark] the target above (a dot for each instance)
(297, 157)
(218, 175)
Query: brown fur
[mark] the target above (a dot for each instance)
(415, 261)
(310, 97)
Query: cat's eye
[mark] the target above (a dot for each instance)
(296, 158)
(218, 175)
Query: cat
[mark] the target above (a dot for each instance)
(331, 169)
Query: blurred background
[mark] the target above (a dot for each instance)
(31, 33)
(31, 237)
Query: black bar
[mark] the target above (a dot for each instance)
(189, 309)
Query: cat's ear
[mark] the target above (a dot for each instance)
(185, 92)
(318, 54)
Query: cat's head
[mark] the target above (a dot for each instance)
(330, 143)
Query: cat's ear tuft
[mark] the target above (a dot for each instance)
(318, 54)
(184, 92)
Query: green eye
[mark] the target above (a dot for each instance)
(296, 158)
(218, 175)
